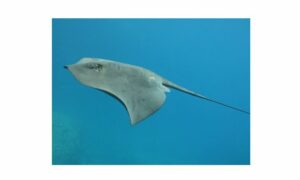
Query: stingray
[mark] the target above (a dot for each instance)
(140, 90)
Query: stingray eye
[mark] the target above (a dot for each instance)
(95, 66)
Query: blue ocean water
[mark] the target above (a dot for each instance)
(208, 56)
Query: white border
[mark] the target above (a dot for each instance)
(25, 77)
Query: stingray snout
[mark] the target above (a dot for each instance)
(66, 67)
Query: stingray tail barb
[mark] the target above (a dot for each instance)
(175, 86)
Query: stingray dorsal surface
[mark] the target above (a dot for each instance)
(140, 90)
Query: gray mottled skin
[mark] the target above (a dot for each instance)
(142, 91)
(139, 89)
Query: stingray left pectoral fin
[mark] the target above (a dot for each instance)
(134, 120)
(141, 106)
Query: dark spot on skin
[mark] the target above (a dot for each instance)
(95, 66)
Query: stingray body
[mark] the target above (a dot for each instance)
(140, 90)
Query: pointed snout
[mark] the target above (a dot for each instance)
(66, 67)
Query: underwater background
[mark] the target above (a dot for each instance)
(208, 56)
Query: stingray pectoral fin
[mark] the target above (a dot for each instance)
(141, 104)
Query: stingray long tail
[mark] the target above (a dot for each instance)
(175, 86)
